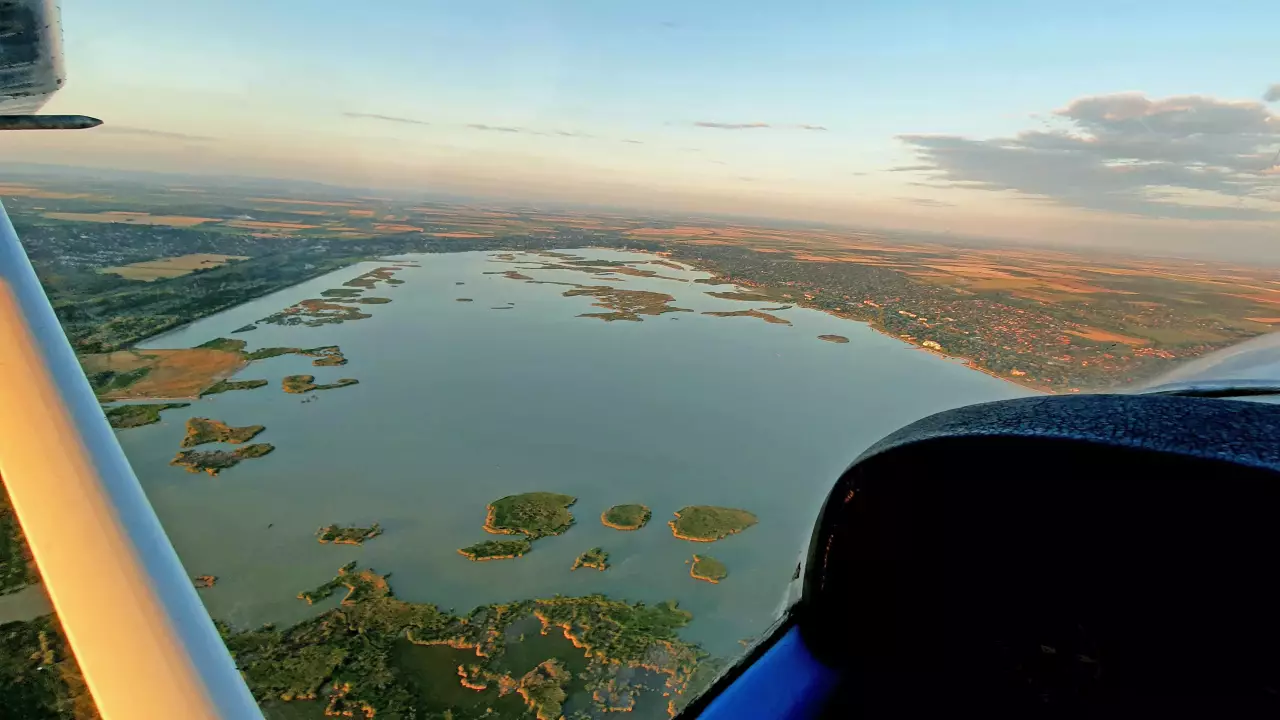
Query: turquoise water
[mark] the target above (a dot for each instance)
(459, 404)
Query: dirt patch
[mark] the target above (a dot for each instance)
(130, 218)
(172, 373)
(171, 267)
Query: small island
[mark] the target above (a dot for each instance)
(245, 328)
(496, 550)
(465, 300)
(348, 535)
(834, 338)
(707, 523)
(593, 558)
(626, 517)
(341, 293)
(203, 430)
(228, 385)
(204, 581)
(708, 568)
(774, 319)
(131, 416)
(299, 384)
(215, 461)
(534, 515)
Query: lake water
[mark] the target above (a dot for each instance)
(459, 404)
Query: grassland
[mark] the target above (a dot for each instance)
(130, 218)
(708, 568)
(203, 430)
(708, 523)
(496, 549)
(534, 515)
(122, 417)
(626, 517)
(595, 558)
(306, 383)
(352, 535)
(215, 461)
(172, 267)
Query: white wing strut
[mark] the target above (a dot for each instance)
(147, 648)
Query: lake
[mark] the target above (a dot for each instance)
(460, 404)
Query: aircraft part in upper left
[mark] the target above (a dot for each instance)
(31, 68)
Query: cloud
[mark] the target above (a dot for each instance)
(1192, 157)
(730, 126)
(148, 132)
(1273, 93)
(573, 134)
(500, 128)
(926, 202)
(753, 126)
(633, 142)
(385, 118)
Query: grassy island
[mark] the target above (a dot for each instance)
(228, 385)
(708, 569)
(131, 416)
(707, 523)
(204, 430)
(315, 312)
(341, 293)
(307, 383)
(368, 657)
(834, 338)
(348, 535)
(626, 517)
(741, 295)
(245, 328)
(215, 461)
(534, 515)
(204, 581)
(465, 300)
(593, 558)
(751, 313)
(625, 304)
(496, 550)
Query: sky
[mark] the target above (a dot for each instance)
(1148, 126)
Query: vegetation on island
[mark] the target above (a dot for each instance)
(306, 383)
(496, 549)
(774, 319)
(366, 657)
(626, 517)
(327, 355)
(315, 312)
(107, 382)
(708, 523)
(741, 295)
(625, 304)
(215, 461)
(352, 535)
(228, 385)
(708, 569)
(204, 581)
(465, 300)
(341, 293)
(223, 344)
(534, 515)
(203, 430)
(245, 328)
(593, 558)
(370, 301)
(834, 338)
(39, 676)
(131, 416)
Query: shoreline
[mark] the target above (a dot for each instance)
(968, 362)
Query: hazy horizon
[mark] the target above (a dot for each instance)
(1138, 130)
